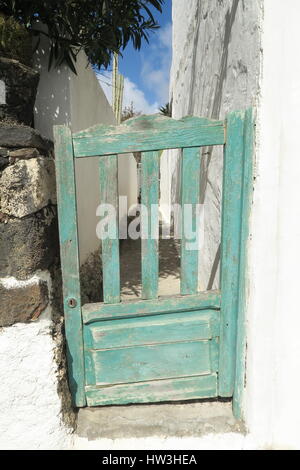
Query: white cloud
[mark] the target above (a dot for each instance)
(157, 64)
(132, 94)
(165, 36)
(155, 74)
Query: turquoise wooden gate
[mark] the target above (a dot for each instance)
(156, 349)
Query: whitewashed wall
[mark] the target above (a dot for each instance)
(230, 55)
(272, 403)
(215, 69)
(79, 101)
(30, 405)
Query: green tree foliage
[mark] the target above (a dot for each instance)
(99, 27)
(15, 41)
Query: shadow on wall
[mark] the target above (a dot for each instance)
(79, 102)
(53, 97)
(217, 96)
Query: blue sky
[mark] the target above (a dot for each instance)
(147, 71)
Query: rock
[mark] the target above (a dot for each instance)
(24, 154)
(3, 163)
(22, 304)
(13, 136)
(4, 152)
(20, 83)
(27, 186)
(28, 244)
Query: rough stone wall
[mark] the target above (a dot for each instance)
(28, 221)
(35, 410)
(215, 69)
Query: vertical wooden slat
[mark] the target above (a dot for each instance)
(230, 249)
(150, 224)
(246, 205)
(67, 216)
(108, 168)
(190, 194)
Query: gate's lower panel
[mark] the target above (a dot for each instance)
(189, 388)
(154, 358)
(151, 362)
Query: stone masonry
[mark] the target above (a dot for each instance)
(28, 221)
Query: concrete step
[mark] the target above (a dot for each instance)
(162, 420)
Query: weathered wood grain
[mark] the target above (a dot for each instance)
(100, 311)
(184, 326)
(230, 249)
(148, 133)
(108, 171)
(151, 362)
(188, 388)
(190, 195)
(67, 217)
(150, 224)
(239, 387)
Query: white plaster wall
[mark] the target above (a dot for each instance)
(260, 66)
(165, 185)
(79, 101)
(273, 358)
(89, 106)
(168, 168)
(30, 407)
(215, 69)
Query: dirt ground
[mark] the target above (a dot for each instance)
(169, 268)
(130, 262)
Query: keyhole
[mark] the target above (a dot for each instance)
(72, 303)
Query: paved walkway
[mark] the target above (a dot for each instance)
(130, 261)
(134, 421)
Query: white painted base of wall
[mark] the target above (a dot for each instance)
(29, 402)
(30, 407)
